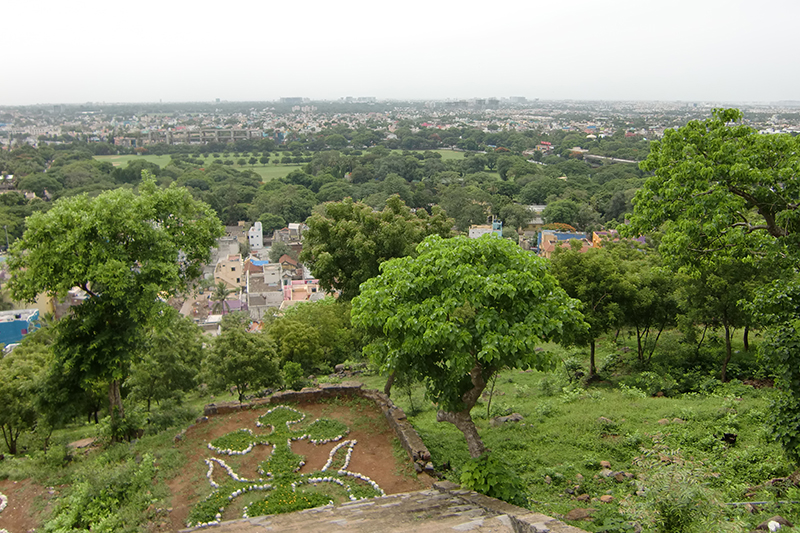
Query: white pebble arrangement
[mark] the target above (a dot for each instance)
(250, 488)
(362, 477)
(215, 522)
(351, 444)
(288, 422)
(228, 451)
(210, 473)
(228, 469)
(3, 503)
(260, 484)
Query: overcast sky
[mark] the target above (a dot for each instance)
(175, 50)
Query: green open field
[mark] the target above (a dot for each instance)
(267, 172)
(450, 154)
(122, 160)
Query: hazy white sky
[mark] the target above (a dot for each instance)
(175, 50)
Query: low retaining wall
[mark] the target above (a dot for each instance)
(411, 441)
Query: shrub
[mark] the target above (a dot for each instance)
(293, 375)
(490, 475)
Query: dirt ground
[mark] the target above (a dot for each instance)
(26, 502)
(373, 456)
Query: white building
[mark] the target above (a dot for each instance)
(256, 237)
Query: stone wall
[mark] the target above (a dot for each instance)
(411, 441)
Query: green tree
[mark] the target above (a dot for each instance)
(347, 241)
(330, 317)
(20, 374)
(242, 359)
(594, 278)
(270, 223)
(711, 296)
(562, 212)
(652, 302)
(336, 141)
(515, 216)
(297, 342)
(722, 192)
(125, 250)
(457, 313)
(719, 186)
(220, 296)
(278, 250)
(168, 361)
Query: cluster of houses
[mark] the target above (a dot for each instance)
(255, 284)
(543, 242)
(263, 288)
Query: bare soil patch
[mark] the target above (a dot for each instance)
(27, 501)
(373, 456)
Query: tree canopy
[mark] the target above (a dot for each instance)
(347, 241)
(126, 251)
(460, 311)
(720, 186)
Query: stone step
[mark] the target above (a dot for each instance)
(422, 511)
(444, 508)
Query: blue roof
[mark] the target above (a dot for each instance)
(260, 262)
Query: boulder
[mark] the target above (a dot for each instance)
(579, 513)
(500, 420)
(764, 526)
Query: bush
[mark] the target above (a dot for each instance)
(293, 376)
(108, 499)
(168, 414)
(490, 475)
(652, 383)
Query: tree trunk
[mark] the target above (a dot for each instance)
(462, 419)
(115, 400)
(387, 389)
(705, 328)
(727, 354)
(11, 442)
(639, 347)
(491, 395)
(592, 368)
(746, 338)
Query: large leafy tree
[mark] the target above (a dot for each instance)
(169, 359)
(126, 251)
(712, 296)
(651, 304)
(721, 192)
(594, 278)
(460, 311)
(347, 241)
(241, 359)
(20, 376)
(719, 186)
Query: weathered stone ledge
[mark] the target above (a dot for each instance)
(522, 520)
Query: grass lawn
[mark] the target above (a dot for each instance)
(450, 154)
(668, 456)
(122, 160)
(267, 172)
